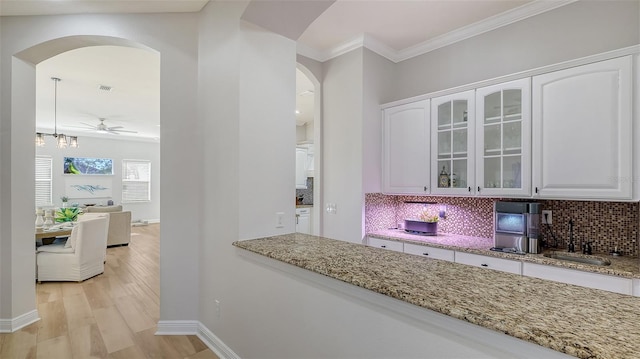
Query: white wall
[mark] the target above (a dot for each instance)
(174, 36)
(246, 106)
(117, 150)
(287, 312)
(342, 131)
(572, 31)
(378, 74)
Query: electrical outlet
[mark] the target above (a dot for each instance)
(546, 217)
(331, 208)
(217, 308)
(279, 219)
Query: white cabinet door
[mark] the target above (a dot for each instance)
(303, 220)
(500, 264)
(385, 244)
(429, 252)
(503, 135)
(301, 168)
(576, 277)
(405, 160)
(452, 144)
(582, 135)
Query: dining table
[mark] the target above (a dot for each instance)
(43, 234)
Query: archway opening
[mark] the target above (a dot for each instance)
(24, 111)
(309, 138)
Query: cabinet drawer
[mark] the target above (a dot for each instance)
(576, 277)
(385, 244)
(504, 265)
(429, 252)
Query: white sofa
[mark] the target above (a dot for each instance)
(119, 223)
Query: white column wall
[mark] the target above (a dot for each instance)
(218, 109)
(247, 103)
(267, 132)
(174, 36)
(342, 131)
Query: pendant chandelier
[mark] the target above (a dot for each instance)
(61, 139)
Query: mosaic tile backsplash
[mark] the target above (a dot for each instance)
(606, 224)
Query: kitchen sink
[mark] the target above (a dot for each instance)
(593, 260)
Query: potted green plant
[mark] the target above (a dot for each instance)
(426, 224)
(65, 201)
(427, 217)
(69, 214)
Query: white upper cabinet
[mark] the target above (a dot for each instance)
(503, 135)
(452, 144)
(582, 131)
(406, 148)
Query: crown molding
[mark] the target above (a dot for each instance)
(344, 47)
(306, 51)
(495, 22)
(379, 48)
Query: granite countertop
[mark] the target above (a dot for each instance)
(304, 205)
(623, 266)
(583, 322)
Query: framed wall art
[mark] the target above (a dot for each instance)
(88, 166)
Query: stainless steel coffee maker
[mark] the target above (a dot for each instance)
(517, 227)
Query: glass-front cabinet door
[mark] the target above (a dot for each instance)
(452, 144)
(503, 133)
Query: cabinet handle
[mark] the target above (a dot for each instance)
(536, 189)
(469, 188)
(425, 188)
(478, 188)
(383, 246)
(484, 265)
(425, 254)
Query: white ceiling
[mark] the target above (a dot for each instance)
(133, 102)
(397, 29)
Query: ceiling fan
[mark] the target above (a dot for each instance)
(102, 128)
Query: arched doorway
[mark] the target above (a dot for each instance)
(18, 257)
(315, 95)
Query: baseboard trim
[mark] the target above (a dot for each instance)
(194, 327)
(19, 322)
(215, 344)
(177, 327)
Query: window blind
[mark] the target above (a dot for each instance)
(44, 181)
(136, 181)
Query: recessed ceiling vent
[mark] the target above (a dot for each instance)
(105, 88)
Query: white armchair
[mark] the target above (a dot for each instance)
(82, 257)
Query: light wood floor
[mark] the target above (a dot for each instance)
(113, 315)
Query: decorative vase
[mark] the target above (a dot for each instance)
(65, 204)
(48, 220)
(39, 220)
